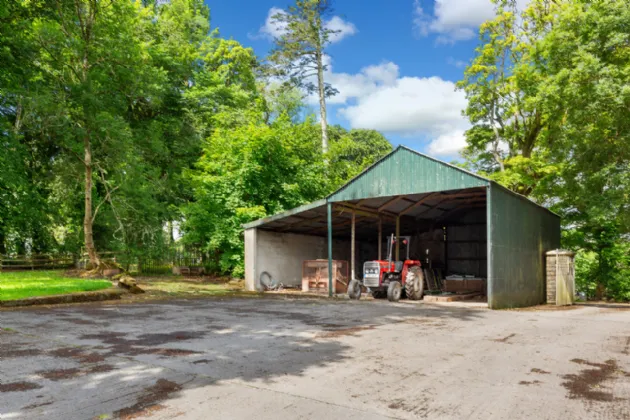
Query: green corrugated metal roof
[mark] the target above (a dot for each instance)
(297, 210)
(405, 171)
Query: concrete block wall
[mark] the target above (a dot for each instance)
(282, 254)
(551, 279)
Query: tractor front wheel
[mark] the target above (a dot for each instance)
(414, 285)
(354, 289)
(394, 290)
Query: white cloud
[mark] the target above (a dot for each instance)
(460, 64)
(272, 29)
(448, 144)
(411, 105)
(452, 20)
(341, 27)
(376, 97)
(353, 86)
(455, 20)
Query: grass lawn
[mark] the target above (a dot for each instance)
(24, 284)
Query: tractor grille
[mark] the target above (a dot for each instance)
(371, 274)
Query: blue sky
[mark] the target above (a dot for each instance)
(395, 63)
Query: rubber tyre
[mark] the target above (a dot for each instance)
(354, 289)
(394, 291)
(414, 285)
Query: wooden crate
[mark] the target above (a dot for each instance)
(315, 275)
(465, 285)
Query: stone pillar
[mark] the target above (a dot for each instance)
(560, 277)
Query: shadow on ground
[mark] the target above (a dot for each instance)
(123, 360)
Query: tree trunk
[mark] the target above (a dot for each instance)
(171, 233)
(87, 218)
(322, 102)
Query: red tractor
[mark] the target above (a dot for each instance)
(388, 278)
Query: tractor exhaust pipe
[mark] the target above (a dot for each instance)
(389, 255)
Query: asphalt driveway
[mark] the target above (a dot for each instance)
(313, 359)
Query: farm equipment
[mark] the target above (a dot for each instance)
(391, 278)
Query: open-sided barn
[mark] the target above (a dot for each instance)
(459, 221)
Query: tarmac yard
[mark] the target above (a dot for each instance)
(314, 359)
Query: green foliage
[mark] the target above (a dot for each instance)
(300, 48)
(353, 151)
(177, 122)
(585, 272)
(548, 97)
(298, 56)
(251, 169)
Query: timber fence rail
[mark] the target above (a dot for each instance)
(132, 262)
(160, 264)
(36, 262)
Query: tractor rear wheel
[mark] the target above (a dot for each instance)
(394, 290)
(414, 285)
(354, 289)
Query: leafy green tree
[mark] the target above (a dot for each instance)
(548, 99)
(252, 167)
(24, 162)
(300, 49)
(93, 70)
(502, 84)
(248, 170)
(353, 151)
(586, 96)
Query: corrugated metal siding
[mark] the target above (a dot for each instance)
(519, 234)
(466, 245)
(406, 172)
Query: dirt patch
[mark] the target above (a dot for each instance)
(147, 402)
(119, 344)
(395, 405)
(36, 405)
(77, 354)
(79, 321)
(16, 353)
(542, 372)
(550, 307)
(418, 410)
(529, 382)
(172, 352)
(504, 339)
(344, 332)
(163, 338)
(60, 374)
(587, 385)
(19, 386)
(626, 349)
(426, 322)
(99, 369)
(63, 374)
